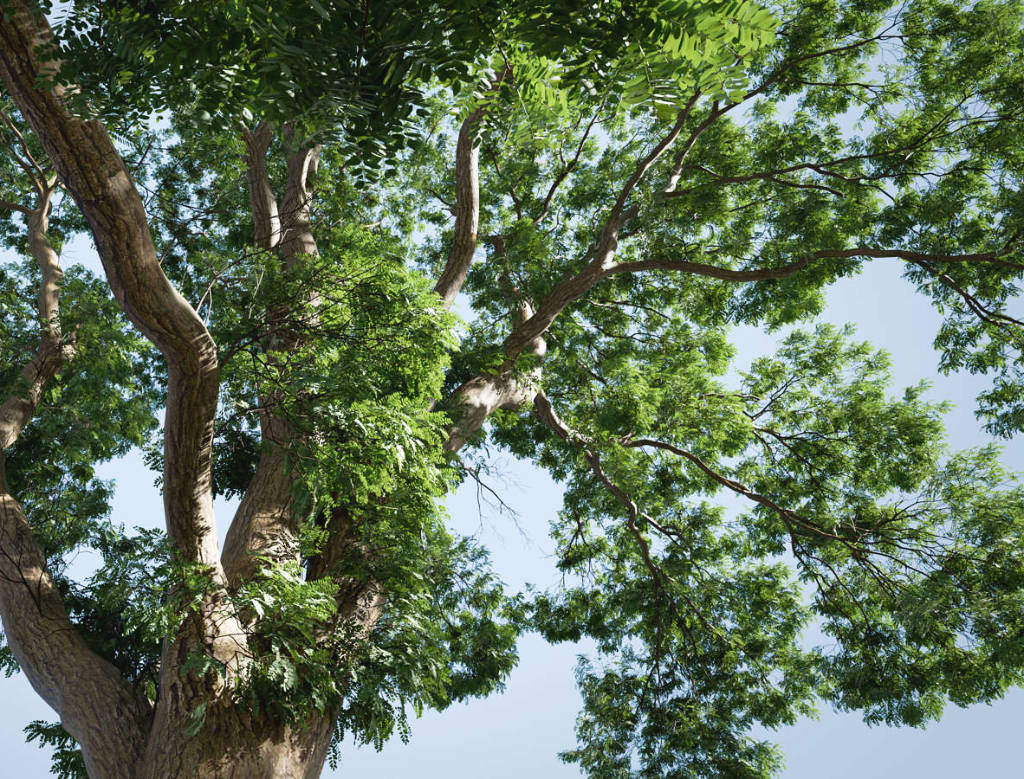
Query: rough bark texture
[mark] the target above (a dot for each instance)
(105, 716)
(265, 523)
(467, 200)
(96, 177)
(141, 740)
(65, 673)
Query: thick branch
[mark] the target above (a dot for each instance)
(94, 174)
(17, 410)
(297, 239)
(265, 522)
(102, 712)
(266, 221)
(95, 704)
(481, 396)
(508, 388)
(467, 201)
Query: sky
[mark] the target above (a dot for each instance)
(520, 732)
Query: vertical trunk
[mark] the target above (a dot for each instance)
(231, 745)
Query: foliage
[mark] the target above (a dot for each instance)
(716, 517)
(67, 757)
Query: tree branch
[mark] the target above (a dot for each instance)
(265, 217)
(97, 707)
(467, 200)
(95, 175)
(576, 286)
(265, 523)
(785, 271)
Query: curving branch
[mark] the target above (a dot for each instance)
(96, 705)
(266, 523)
(265, 217)
(467, 199)
(603, 254)
(96, 177)
(297, 241)
(506, 388)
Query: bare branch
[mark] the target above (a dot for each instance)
(467, 200)
(265, 216)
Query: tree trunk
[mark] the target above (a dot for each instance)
(231, 745)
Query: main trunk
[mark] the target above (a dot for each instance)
(232, 745)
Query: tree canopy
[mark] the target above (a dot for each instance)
(350, 246)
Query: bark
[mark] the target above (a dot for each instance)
(467, 209)
(232, 745)
(94, 174)
(266, 522)
(121, 733)
(467, 200)
(266, 220)
(96, 706)
(474, 402)
(96, 177)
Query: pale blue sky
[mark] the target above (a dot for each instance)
(518, 734)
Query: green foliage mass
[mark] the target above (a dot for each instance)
(739, 542)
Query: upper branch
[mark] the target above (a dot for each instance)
(785, 271)
(266, 522)
(603, 256)
(18, 409)
(297, 239)
(96, 176)
(266, 221)
(467, 200)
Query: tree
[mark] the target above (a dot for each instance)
(608, 187)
